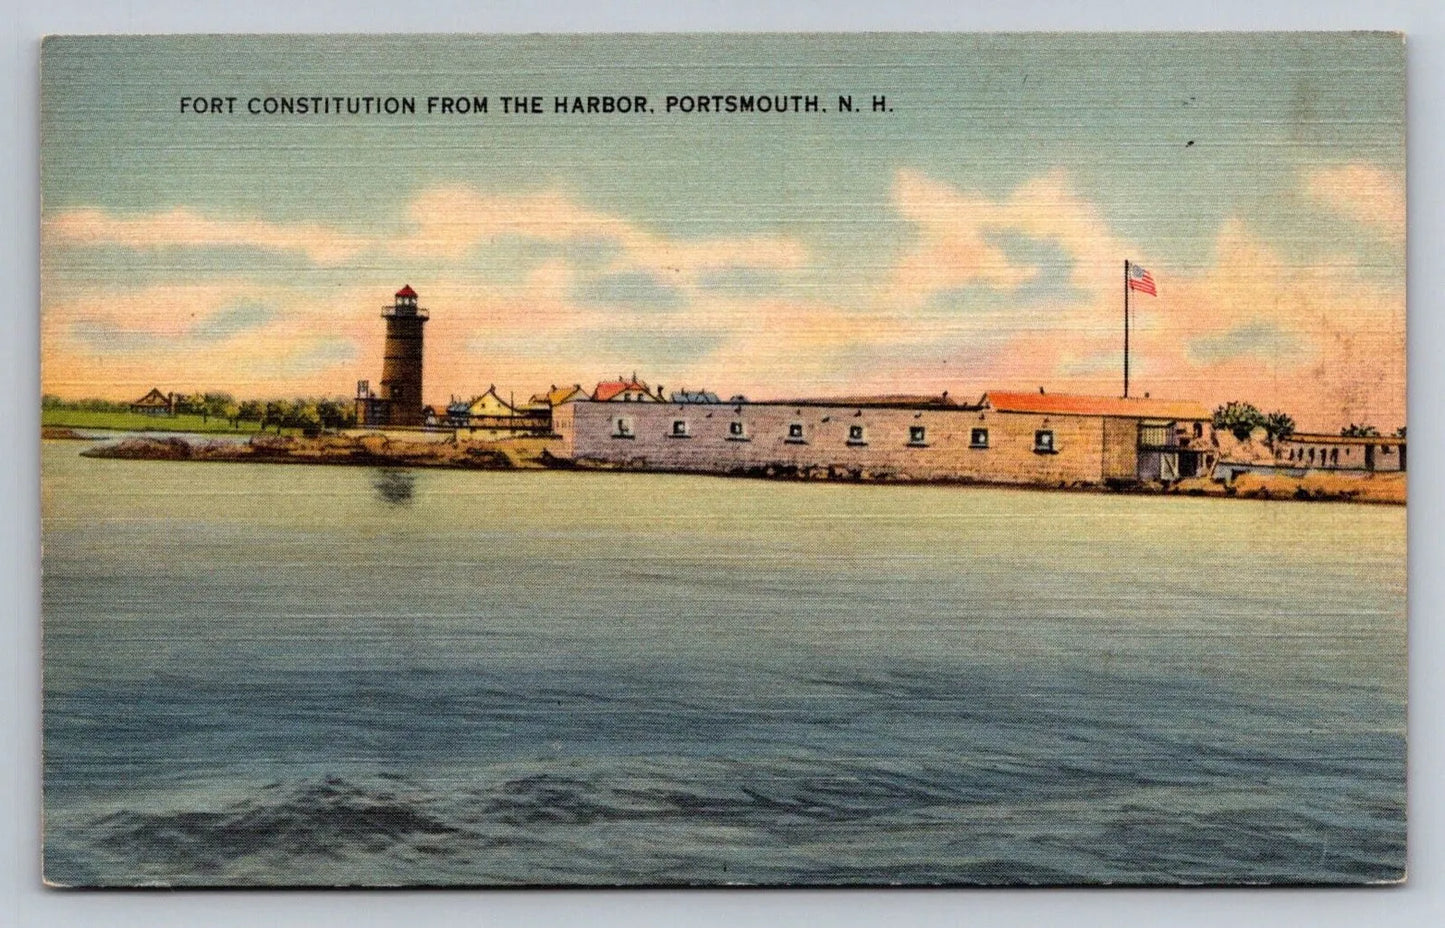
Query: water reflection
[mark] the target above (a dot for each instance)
(394, 486)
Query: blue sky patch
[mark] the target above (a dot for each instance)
(742, 281)
(1257, 339)
(629, 289)
(231, 320)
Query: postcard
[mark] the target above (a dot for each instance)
(713, 460)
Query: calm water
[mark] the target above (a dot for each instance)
(263, 674)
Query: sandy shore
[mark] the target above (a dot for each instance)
(1317, 487)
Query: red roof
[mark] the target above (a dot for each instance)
(406, 291)
(1065, 404)
(608, 389)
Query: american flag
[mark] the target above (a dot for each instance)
(1141, 280)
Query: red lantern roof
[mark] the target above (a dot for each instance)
(406, 291)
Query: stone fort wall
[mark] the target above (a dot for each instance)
(842, 441)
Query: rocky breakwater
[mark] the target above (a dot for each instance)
(362, 450)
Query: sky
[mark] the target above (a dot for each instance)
(969, 236)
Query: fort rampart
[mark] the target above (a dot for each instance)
(900, 443)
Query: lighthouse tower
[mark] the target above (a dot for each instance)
(401, 362)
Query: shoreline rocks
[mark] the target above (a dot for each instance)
(1384, 488)
(366, 451)
(375, 450)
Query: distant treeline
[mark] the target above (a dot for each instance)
(310, 414)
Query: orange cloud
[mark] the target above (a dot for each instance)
(956, 231)
(163, 311)
(1322, 340)
(1318, 340)
(448, 222)
(1364, 192)
(189, 337)
(182, 228)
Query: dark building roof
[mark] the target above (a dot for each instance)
(406, 291)
(909, 400)
(153, 398)
(694, 396)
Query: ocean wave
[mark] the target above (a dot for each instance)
(322, 819)
(652, 821)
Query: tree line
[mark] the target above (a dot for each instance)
(309, 414)
(1242, 419)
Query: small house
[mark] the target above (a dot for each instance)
(489, 406)
(155, 403)
(626, 391)
(556, 396)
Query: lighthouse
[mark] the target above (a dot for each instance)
(400, 401)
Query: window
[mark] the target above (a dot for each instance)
(795, 433)
(978, 438)
(736, 432)
(917, 434)
(855, 435)
(624, 428)
(679, 428)
(397, 392)
(1199, 430)
(1044, 441)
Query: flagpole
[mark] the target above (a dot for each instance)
(1126, 328)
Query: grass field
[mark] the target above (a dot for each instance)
(138, 422)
